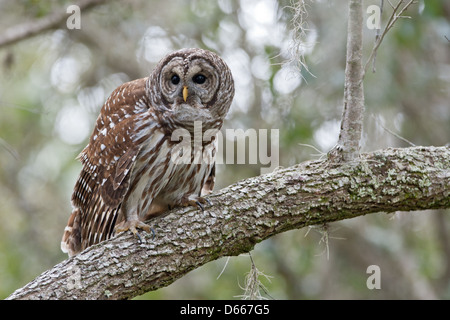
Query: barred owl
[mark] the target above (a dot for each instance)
(129, 173)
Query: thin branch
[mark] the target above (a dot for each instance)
(52, 21)
(350, 134)
(392, 20)
(393, 133)
(223, 269)
(246, 213)
(377, 37)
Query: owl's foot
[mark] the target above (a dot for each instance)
(195, 201)
(133, 226)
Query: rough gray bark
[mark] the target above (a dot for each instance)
(347, 147)
(245, 213)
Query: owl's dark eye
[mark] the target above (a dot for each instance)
(175, 79)
(199, 79)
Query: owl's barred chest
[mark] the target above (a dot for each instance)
(167, 171)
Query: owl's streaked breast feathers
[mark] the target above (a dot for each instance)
(128, 174)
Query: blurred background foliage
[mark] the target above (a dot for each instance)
(52, 87)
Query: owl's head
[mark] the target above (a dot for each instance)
(191, 85)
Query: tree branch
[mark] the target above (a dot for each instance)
(392, 20)
(347, 147)
(51, 21)
(245, 213)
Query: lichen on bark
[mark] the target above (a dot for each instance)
(248, 212)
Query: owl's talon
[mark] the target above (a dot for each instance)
(138, 236)
(143, 240)
(199, 205)
(153, 233)
(132, 226)
(197, 202)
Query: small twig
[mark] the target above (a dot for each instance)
(392, 19)
(223, 269)
(392, 6)
(10, 149)
(393, 133)
(320, 153)
(377, 37)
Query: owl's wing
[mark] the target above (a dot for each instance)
(107, 162)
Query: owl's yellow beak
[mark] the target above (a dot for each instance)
(185, 93)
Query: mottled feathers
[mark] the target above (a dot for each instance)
(128, 172)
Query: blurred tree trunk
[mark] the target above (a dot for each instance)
(246, 213)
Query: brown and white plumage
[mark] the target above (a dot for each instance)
(129, 173)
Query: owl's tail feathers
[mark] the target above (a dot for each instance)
(71, 240)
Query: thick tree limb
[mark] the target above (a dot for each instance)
(246, 213)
